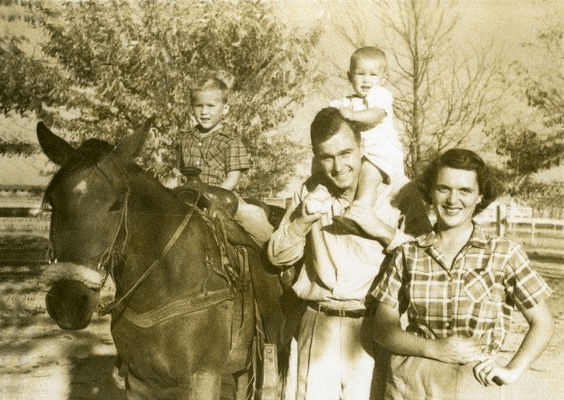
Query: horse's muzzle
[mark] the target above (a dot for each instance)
(71, 304)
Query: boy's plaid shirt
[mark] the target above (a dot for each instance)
(215, 153)
(474, 298)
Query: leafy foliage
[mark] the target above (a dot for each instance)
(121, 61)
(23, 86)
(534, 140)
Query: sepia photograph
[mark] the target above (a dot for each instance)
(281, 199)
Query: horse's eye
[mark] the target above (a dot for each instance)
(118, 204)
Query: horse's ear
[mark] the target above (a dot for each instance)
(130, 146)
(56, 148)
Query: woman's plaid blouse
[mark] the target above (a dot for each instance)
(475, 298)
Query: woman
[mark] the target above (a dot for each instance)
(458, 285)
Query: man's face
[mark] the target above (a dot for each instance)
(340, 158)
(209, 108)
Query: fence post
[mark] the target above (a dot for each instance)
(501, 219)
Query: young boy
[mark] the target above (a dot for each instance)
(218, 156)
(370, 109)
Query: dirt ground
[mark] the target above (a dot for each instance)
(40, 361)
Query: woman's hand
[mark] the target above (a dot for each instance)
(489, 372)
(457, 350)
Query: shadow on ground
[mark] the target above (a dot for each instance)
(91, 378)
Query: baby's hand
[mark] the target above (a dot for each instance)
(336, 103)
(346, 113)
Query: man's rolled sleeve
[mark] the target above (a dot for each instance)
(387, 291)
(287, 243)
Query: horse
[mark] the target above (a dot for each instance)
(190, 304)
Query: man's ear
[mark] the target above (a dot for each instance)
(349, 75)
(225, 110)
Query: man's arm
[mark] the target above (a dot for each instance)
(287, 243)
(541, 328)
(231, 180)
(389, 236)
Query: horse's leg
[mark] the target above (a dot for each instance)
(243, 382)
(204, 385)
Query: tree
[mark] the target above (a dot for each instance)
(442, 95)
(23, 87)
(531, 138)
(121, 61)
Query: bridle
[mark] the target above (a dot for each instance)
(107, 263)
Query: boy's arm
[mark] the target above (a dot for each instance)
(231, 180)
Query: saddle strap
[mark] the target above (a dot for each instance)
(176, 308)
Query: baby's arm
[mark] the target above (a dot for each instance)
(367, 119)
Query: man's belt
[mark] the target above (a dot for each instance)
(332, 312)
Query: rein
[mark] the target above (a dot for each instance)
(108, 308)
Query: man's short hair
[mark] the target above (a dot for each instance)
(327, 123)
(211, 83)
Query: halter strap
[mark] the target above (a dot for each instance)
(103, 310)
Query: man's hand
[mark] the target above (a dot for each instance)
(370, 222)
(317, 202)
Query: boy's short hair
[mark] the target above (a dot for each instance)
(211, 83)
(326, 123)
(368, 52)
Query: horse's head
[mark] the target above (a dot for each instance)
(88, 198)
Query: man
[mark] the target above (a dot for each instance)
(335, 356)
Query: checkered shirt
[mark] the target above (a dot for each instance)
(216, 154)
(474, 298)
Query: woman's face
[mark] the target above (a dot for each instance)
(455, 196)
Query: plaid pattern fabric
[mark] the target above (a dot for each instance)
(215, 153)
(474, 298)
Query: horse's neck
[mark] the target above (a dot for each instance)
(154, 218)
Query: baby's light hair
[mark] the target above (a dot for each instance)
(367, 53)
(211, 83)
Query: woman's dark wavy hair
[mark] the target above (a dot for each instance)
(466, 160)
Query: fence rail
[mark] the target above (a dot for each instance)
(38, 225)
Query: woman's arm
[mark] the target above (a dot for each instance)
(388, 333)
(541, 328)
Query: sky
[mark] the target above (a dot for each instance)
(505, 24)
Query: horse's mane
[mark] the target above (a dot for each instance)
(88, 154)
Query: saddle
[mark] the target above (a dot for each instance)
(205, 196)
